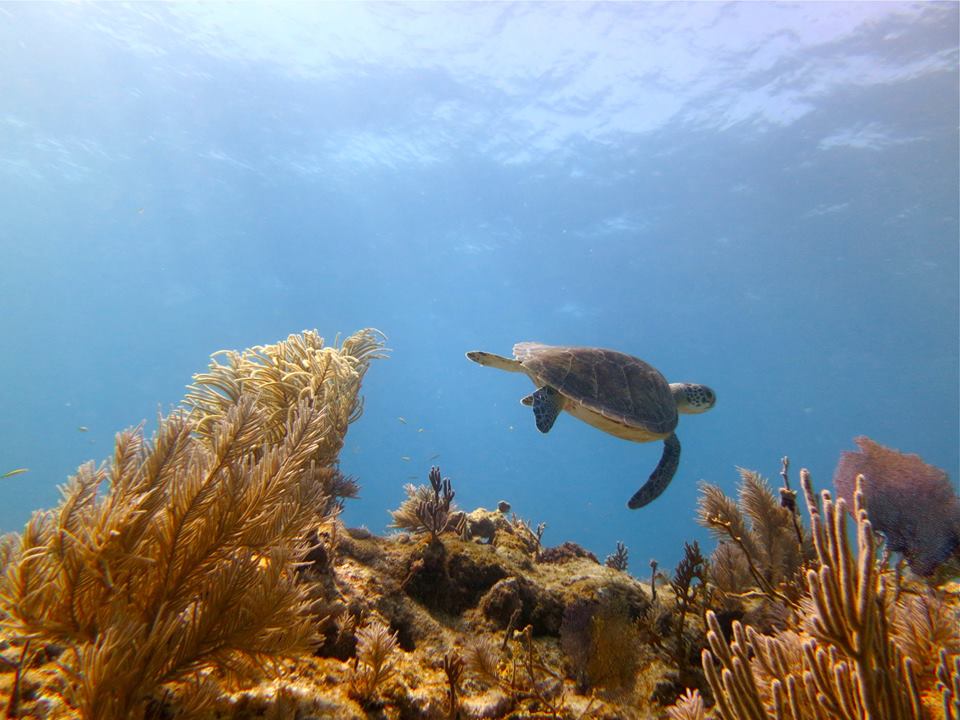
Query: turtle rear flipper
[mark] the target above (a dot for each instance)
(547, 404)
(493, 360)
(661, 477)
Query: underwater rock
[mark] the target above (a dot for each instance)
(359, 533)
(439, 596)
(565, 552)
(495, 528)
(601, 641)
(520, 602)
(452, 582)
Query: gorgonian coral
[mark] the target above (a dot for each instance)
(176, 562)
(913, 504)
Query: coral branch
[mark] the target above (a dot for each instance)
(850, 668)
(186, 561)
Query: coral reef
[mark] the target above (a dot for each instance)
(459, 626)
(910, 502)
(206, 574)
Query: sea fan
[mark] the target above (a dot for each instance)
(912, 503)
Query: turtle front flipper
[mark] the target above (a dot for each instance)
(661, 477)
(547, 404)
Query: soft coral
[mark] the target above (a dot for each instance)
(912, 503)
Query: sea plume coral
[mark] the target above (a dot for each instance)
(912, 503)
(178, 556)
(760, 538)
(277, 376)
(374, 663)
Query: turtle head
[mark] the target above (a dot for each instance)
(691, 398)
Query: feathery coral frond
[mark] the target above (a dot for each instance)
(722, 516)
(770, 525)
(689, 706)
(280, 375)
(729, 570)
(922, 627)
(187, 560)
(9, 548)
(757, 535)
(375, 663)
(948, 683)
(405, 517)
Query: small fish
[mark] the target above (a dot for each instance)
(140, 211)
(83, 428)
(434, 457)
(402, 419)
(405, 458)
(412, 477)
(419, 429)
(12, 473)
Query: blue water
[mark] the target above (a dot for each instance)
(758, 197)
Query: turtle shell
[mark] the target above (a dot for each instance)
(618, 386)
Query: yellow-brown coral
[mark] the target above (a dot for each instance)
(179, 555)
(849, 667)
(759, 539)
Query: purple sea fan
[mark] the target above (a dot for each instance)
(913, 504)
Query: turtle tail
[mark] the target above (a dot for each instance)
(661, 477)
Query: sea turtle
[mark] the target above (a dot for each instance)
(617, 393)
